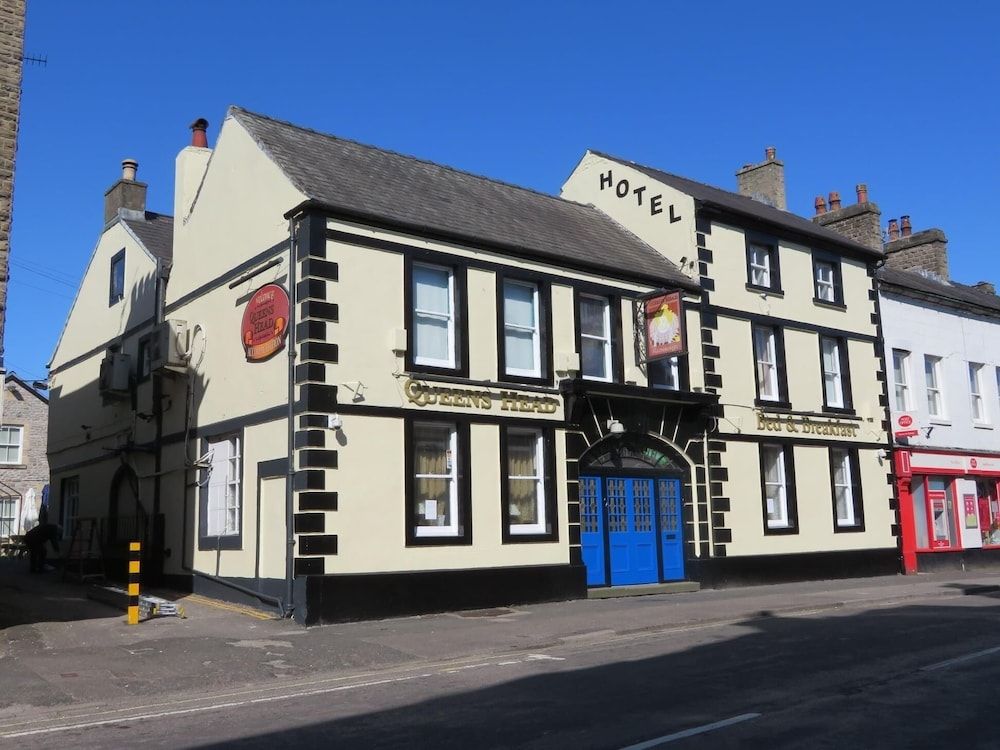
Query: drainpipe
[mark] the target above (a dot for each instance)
(290, 478)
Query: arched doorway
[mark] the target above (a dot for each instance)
(631, 524)
(126, 516)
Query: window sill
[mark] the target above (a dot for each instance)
(508, 379)
(438, 541)
(770, 291)
(529, 538)
(415, 369)
(13, 466)
(213, 543)
(848, 529)
(827, 303)
(840, 411)
(940, 422)
(774, 405)
(780, 530)
(982, 425)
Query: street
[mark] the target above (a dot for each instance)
(891, 671)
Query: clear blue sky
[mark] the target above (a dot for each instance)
(900, 95)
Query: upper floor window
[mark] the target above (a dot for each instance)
(664, 373)
(767, 346)
(522, 331)
(10, 445)
(901, 379)
(933, 379)
(827, 284)
(836, 382)
(117, 284)
(762, 266)
(976, 393)
(434, 316)
(595, 337)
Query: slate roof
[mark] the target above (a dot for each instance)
(378, 185)
(156, 233)
(745, 206)
(917, 284)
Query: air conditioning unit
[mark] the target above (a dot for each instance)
(115, 374)
(169, 345)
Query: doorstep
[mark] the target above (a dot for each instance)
(647, 589)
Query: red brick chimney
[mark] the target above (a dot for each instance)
(820, 205)
(893, 230)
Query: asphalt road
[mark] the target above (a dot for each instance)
(907, 675)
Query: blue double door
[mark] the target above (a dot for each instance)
(631, 530)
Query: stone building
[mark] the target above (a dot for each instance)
(11, 61)
(24, 467)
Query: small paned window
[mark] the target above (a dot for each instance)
(8, 516)
(595, 337)
(435, 480)
(901, 379)
(976, 393)
(117, 285)
(846, 487)
(760, 266)
(932, 378)
(827, 281)
(526, 500)
(522, 331)
(10, 445)
(434, 316)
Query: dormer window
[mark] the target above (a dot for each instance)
(117, 285)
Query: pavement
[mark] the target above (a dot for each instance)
(61, 651)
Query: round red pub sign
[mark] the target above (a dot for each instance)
(265, 323)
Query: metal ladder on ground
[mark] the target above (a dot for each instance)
(84, 558)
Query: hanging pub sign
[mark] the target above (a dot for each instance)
(265, 323)
(663, 325)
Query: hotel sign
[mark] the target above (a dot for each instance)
(806, 425)
(265, 323)
(663, 324)
(423, 394)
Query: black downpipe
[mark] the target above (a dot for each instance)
(290, 477)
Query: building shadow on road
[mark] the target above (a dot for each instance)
(31, 599)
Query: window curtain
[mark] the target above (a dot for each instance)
(522, 468)
(430, 463)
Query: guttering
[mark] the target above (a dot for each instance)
(469, 240)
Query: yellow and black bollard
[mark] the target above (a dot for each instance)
(134, 553)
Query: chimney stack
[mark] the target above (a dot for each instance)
(985, 286)
(926, 250)
(905, 228)
(189, 169)
(127, 197)
(820, 205)
(861, 222)
(764, 182)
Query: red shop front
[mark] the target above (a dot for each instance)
(948, 505)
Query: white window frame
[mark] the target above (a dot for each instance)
(823, 285)
(535, 331)
(17, 430)
(835, 375)
(765, 344)
(901, 379)
(116, 295)
(540, 527)
(673, 370)
(69, 502)
(451, 529)
(976, 402)
(935, 390)
(782, 520)
(452, 361)
(843, 458)
(760, 264)
(224, 474)
(604, 340)
(9, 523)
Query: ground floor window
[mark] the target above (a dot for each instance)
(989, 512)
(845, 478)
(934, 512)
(778, 489)
(436, 504)
(528, 494)
(8, 516)
(221, 494)
(69, 503)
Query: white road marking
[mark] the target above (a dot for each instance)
(656, 742)
(543, 657)
(960, 659)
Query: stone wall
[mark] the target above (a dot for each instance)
(11, 59)
(926, 250)
(22, 407)
(860, 222)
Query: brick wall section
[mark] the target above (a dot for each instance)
(11, 59)
(927, 250)
(860, 222)
(23, 408)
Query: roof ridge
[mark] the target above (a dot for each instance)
(410, 157)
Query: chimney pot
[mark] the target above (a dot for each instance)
(820, 205)
(198, 137)
(129, 167)
(770, 153)
(834, 201)
(862, 190)
(907, 230)
(893, 230)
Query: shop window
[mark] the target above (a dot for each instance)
(768, 349)
(901, 379)
(933, 380)
(976, 393)
(778, 489)
(989, 512)
(438, 500)
(221, 495)
(528, 496)
(827, 284)
(116, 286)
(836, 379)
(595, 337)
(762, 267)
(845, 478)
(433, 316)
(934, 512)
(665, 374)
(69, 503)
(10, 445)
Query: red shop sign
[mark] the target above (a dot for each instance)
(664, 325)
(265, 323)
